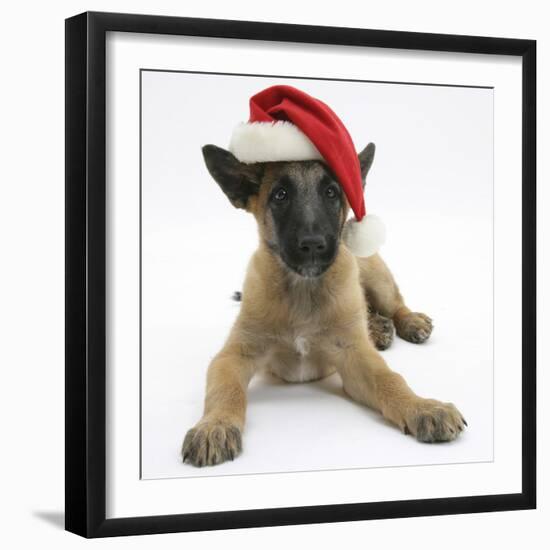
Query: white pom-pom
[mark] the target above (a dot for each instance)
(364, 238)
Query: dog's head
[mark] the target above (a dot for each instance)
(300, 207)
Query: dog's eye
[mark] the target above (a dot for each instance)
(331, 193)
(280, 194)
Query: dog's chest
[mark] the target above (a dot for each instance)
(298, 353)
(297, 357)
(301, 344)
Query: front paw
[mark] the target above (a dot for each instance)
(414, 327)
(432, 421)
(211, 442)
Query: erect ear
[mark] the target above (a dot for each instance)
(238, 181)
(366, 156)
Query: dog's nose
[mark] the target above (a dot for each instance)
(312, 244)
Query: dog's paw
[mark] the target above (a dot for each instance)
(433, 421)
(210, 443)
(381, 330)
(414, 327)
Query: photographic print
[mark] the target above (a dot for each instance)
(314, 337)
(300, 274)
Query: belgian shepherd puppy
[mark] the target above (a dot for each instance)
(309, 308)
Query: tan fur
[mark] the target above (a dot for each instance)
(302, 329)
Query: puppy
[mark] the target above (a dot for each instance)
(309, 308)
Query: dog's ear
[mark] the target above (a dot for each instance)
(238, 181)
(366, 156)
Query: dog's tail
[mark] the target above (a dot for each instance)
(237, 296)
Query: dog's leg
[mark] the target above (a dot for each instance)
(384, 297)
(380, 329)
(218, 435)
(368, 380)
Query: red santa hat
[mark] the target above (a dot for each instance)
(287, 124)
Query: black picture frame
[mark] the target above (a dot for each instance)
(86, 275)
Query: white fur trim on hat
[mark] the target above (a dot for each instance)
(271, 141)
(364, 238)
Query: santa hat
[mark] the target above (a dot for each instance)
(287, 124)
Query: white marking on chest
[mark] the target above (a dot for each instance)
(302, 345)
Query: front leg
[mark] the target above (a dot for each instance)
(217, 437)
(368, 380)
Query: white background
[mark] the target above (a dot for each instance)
(432, 183)
(31, 221)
